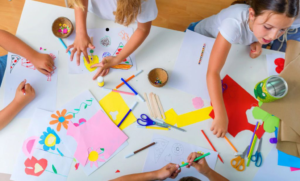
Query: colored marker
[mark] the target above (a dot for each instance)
(127, 114)
(140, 97)
(64, 45)
(128, 79)
(202, 52)
(196, 159)
(122, 92)
(133, 153)
(211, 145)
(152, 127)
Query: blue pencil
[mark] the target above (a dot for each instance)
(127, 114)
(140, 97)
(64, 45)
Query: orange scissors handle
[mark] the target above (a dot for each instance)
(238, 163)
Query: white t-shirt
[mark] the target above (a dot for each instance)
(231, 22)
(105, 8)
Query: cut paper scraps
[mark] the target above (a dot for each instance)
(14, 60)
(280, 64)
(288, 160)
(118, 171)
(80, 122)
(187, 118)
(29, 146)
(237, 101)
(97, 139)
(126, 63)
(114, 102)
(275, 63)
(198, 103)
(294, 169)
(35, 167)
(270, 121)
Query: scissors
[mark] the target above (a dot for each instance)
(257, 158)
(146, 121)
(238, 163)
(170, 125)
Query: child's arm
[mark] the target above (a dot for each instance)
(134, 42)
(82, 40)
(168, 171)
(202, 167)
(19, 102)
(217, 60)
(43, 62)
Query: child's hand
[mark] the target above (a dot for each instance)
(80, 45)
(219, 126)
(22, 99)
(169, 171)
(104, 65)
(255, 49)
(200, 165)
(43, 63)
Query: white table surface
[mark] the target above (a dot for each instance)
(160, 49)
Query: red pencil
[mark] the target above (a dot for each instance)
(211, 145)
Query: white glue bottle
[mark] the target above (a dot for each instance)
(100, 81)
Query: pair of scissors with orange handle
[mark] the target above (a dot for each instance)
(238, 163)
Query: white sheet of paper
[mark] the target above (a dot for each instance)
(38, 125)
(270, 170)
(45, 87)
(115, 37)
(168, 150)
(187, 75)
(270, 62)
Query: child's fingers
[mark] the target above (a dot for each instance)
(43, 71)
(78, 57)
(223, 134)
(215, 131)
(86, 56)
(96, 65)
(69, 47)
(22, 85)
(91, 46)
(73, 53)
(99, 71)
(219, 133)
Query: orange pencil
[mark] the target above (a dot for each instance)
(230, 144)
(128, 79)
(211, 145)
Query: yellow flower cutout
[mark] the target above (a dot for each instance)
(61, 119)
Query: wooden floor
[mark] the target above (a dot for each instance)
(172, 14)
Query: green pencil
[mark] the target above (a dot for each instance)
(196, 159)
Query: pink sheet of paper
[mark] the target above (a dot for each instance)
(98, 132)
(294, 169)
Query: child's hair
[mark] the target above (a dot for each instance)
(189, 179)
(290, 8)
(126, 13)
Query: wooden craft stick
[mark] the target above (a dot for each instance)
(148, 105)
(92, 40)
(152, 104)
(160, 107)
(156, 106)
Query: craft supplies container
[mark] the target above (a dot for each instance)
(158, 77)
(62, 27)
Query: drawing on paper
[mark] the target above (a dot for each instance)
(177, 149)
(105, 41)
(94, 156)
(49, 139)
(106, 54)
(94, 59)
(26, 63)
(126, 63)
(54, 67)
(85, 105)
(124, 35)
(61, 119)
(168, 158)
(159, 148)
(80, 122)
(35, 167)
(14, 60)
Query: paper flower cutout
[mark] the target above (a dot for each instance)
(270, 121)
(61, 119)
(94, 156)
(49, 139)
(35, 167)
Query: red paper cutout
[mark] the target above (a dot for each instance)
(118, 171)
(280, 64)
(35, 167)
(260, 132)
(237, 101)
(76, 166)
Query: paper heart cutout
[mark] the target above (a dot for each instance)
(270, 122)
(280, 64)
(35, 167)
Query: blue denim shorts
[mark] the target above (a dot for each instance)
(192, 26)
(2, 67)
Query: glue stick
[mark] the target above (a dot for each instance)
(100, 81)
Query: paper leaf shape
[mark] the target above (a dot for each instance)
(54, 169)
(270, 121)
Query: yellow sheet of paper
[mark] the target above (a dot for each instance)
(114, 102)
(187, 118)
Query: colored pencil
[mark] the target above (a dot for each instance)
(230, 144)
(148, 104)
(253, 144)
(132, 107)
(252, 148)
(128, 79)
(196, 159)
(252, 138)
(202, 52)
(139, 96)
(121, 92)
(145, 147)
(64, 45)
(211, 145)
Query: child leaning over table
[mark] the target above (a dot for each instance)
(250, 22)
(42, 62)
(172, 171)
